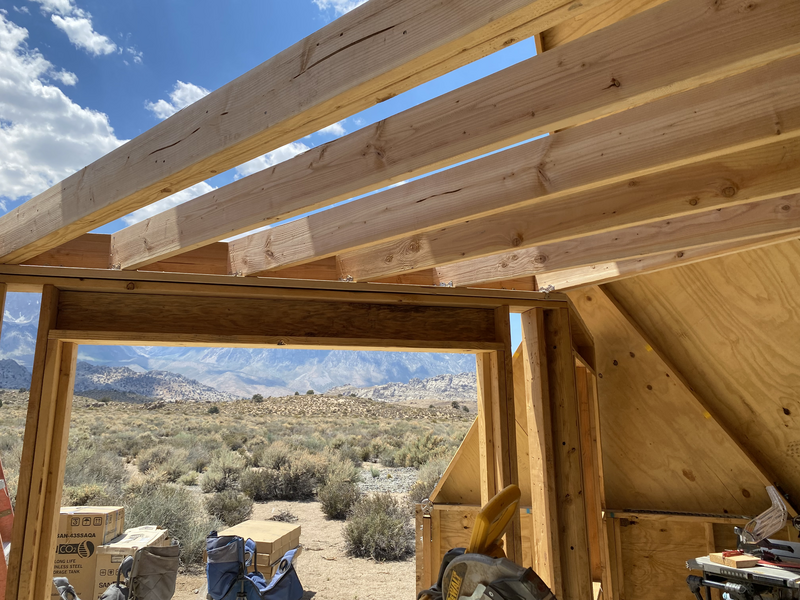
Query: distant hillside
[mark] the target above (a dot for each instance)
(461, 387)
(120, 383)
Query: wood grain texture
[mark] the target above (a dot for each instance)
(735, 224)
(185, 315)
(368, 55)
(671, 132)
(535, 235)
(661, 450)
(730, 326)
(612, 271)
(672, 48)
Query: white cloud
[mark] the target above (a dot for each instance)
(137, 55)
(44, 135)
(336, 129)
(146, 212)
(182, 95)
(65, 77)
(80, 32)
(271, 158)
(22, 9)
(339, 6)
(77, 24)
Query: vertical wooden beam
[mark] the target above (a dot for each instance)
(554, 423)
(3, 290)
(485, 426)
(43, 460)
(544, 523)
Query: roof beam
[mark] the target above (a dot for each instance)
(746, 176)
(777, 216)
(672, 48)
(373, 53)
(578, 277)
(734, 113)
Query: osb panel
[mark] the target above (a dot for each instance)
(731, 326)
(660, 451)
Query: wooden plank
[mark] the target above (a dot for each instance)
(661, 135)
(735, 344)
(736, 224)
(167, 316)
(486, 443)
(662, 450)
(365, 57)
(672, 48)
(43, 583)
(530, 240)
(27, 518)
(3, 290)
(591, 480)
(766, 475)
(612, 271)
(544, 521)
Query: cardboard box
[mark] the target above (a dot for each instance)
(111, 555)
(81, 531)
(271, 537)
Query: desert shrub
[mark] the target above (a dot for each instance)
(223, 472)
(258, 398)
(88, 494)
(341, 469)
(230, 507)
(375, 472)
(213, 410)
(420, 450)
(454, 404)
(190, 478)
(427, 478)
(176, 466)
(153, 457)
(310, 392)
(272, 456)
(260, 484)
(337, 497)
(378, 527)
(87, 466)
(283, 516)
(297, 479)
(150, 501)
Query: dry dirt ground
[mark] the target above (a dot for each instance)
(324, 569)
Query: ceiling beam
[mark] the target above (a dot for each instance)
(777, 216)
(674, 47)
(746, 176)
(373, 53)
(734, 113)
(578, 277)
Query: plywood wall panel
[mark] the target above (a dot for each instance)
(731, 326)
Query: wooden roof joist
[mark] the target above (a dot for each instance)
(371, 54)
(674, 47)
(735, 223)
(746, 176)
(739, 112)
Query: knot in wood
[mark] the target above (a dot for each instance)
(729, 192)
(786, 208)
(693, 201)
(130, 286)
(516, 241)
(413, 246)
(539, 259)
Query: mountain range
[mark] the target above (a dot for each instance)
(238, 371)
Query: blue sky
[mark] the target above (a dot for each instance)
(79, 77)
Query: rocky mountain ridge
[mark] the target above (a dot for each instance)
(461, 387)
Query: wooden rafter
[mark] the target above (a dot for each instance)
(672, 48)
(368, 55)
(735, 113)
(719, 183)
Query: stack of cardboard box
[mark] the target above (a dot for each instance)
(91, 546)
(273, 539)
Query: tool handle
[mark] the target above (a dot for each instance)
(493, 520)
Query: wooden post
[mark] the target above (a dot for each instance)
(497, 425)
(43, 459)
(555, 447)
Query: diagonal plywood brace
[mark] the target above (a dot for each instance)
(767, 477)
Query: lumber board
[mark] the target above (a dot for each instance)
(369, 55)
(27, 518)
(671, 48)
(729, 326)
(167, 316)
(661, 449)
(739, 223)
(531, 239)
(612, 271)
(729, 115)
(590, 451)
(3, 290)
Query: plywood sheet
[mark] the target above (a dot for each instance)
(731, 325)
(660, 450)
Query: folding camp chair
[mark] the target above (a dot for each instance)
(150, 574)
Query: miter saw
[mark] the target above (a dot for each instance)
(775, 570)
(481, 571)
